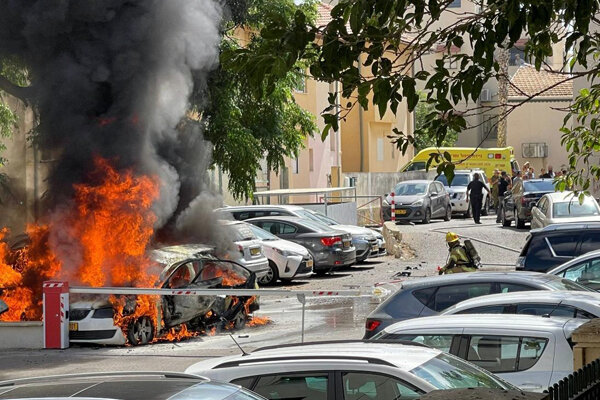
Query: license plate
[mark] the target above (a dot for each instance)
(346, 245)
(375, 248)
(73, 326)
(309, 263)
(401, 212)
(255, 252)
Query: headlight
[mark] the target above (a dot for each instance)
(287, 253)
(417, 203)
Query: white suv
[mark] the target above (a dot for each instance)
(458, 191)
(354, 369)
(528, 351)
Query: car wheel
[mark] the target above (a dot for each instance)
(448, 215)
(272, 275)
(427, 217)
(505, 222)
(140, 331)
(518, 221)
(486, 207)
(239, 321)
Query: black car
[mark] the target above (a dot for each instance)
(123, 386)
(330, 248)
(429, 296)
(556, 244)
(519, 201)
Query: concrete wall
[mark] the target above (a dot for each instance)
(380, 183)
(344, 213)
(21, 335)
(525, 125)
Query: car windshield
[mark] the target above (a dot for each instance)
(565, 284)
(572, 208)
(459, 180)
(539, 186)
(410, 189)
(448, 372)
(316, 216)
(261, 233)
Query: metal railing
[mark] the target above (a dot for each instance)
(582, 384)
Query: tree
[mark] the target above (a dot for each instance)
(393, 35)
(247, 123)
(424, 112)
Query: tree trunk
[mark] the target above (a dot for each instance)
(502, 58)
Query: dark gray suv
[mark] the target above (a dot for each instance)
(429, 296)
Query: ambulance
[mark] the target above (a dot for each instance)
(501, 158)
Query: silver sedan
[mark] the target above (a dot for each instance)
(563, 207)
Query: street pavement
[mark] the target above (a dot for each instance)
(325, 318)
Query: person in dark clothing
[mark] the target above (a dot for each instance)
(503, 185)
(475, 188)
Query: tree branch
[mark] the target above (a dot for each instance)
(22, 93)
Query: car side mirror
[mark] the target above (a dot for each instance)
(435, 193)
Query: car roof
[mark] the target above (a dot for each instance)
(404, 356)
(566, 227)
(484, 321)
(477, 276)
(289, 207)
(534, 296)
(416, 181)
(583, 257)
(115, 385)
(565, 196)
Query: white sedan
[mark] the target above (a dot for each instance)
(287, 260)
(563, 207)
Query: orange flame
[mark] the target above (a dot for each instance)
(255, 321)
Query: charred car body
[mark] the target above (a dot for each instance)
(94, 322)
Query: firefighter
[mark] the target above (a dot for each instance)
(459, 259)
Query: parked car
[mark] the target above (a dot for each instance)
(123, 386)
(421, 200)
(93, 321)
(346, 370)
(431, 295)
(250, 252)
(458, 191)
(556, 244)
(287, 260)
(530, 352)
(330, 248)
(519, 201)
(363, 239)
(569, 304)
(564, 207)
(584, 270)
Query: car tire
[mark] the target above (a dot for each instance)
(240, 319)
(518, 221)
(427, 217)
(485, 211)
(140, 331)
(505, 222)
(271, 277)
(448, 215)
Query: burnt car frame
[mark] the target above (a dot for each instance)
(93, 322)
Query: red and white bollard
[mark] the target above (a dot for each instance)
(393, 205)
(56, 315)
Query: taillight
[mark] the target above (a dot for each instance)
(372, 324)
(330, 241)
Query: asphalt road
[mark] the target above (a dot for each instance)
(325, 318)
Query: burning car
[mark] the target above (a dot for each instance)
(119, 320)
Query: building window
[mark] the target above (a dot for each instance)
(300, 86)
(489, 127)
(311, 165)
(295, 166)
(454, 4)
(517, 56)
(379, 149)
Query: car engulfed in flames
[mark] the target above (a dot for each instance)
(143, 319)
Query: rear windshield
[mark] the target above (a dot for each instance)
(316, 216)
(571, 209)
(241, 232)
(316, 226)
(539, 186)
(459, 180)
(448, 372)
(410, 189)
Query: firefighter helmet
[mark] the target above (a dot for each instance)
(451, 237)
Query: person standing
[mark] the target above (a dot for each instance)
(494, 181)
(503, 185)
(475, 188)
(549, 174)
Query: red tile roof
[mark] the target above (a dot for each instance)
(528, 81)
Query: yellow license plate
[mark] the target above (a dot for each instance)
(375, 248)
(401, 212)
(73, 326)
(309, 263)
(255, 252)
(346, 245)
